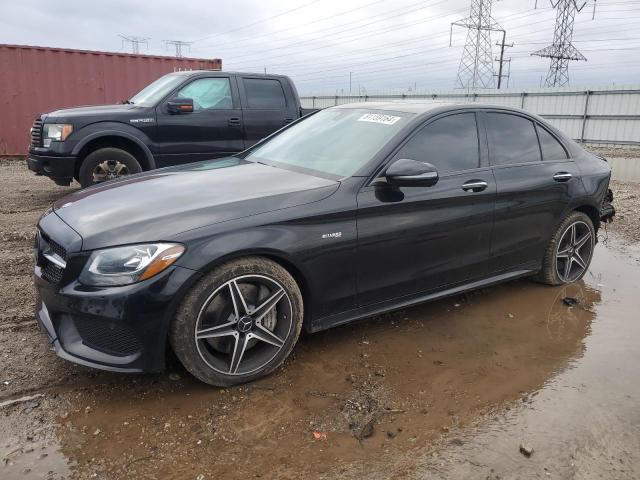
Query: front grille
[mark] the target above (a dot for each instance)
(36, 133)
(50, 271)
(108, 337)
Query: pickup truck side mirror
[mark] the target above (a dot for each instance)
(411, 173)
(180, 105)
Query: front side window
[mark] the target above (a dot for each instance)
(208, 93)
(336, 142)
(512, 139)
(264, 94)
(450, 144)
(551, 148)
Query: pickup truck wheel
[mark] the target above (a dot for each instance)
(238, 323)
(106, 164)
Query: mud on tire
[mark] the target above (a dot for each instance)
(210, 308)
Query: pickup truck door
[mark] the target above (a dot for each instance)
(213, 129)
(268, 104)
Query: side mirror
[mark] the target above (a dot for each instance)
(411, 173)
(180, 105)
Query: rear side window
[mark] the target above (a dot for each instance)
(449, 143)
(264, 94)
(551, 148)
(512, 139)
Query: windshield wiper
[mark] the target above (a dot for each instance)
(127, 102)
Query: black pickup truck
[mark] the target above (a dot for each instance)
(181, 117)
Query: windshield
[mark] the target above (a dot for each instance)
(154, 92)
(335, 141)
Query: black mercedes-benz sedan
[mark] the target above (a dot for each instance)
(350, 212)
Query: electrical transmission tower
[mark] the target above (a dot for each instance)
(562, 51)
(178, 45)
(476, 64)
(135, 42)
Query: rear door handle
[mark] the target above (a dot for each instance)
(234, 122)
(475, 186)
(562, 177)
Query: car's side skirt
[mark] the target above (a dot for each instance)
(324, 323)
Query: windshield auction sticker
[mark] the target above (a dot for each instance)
(378, 118)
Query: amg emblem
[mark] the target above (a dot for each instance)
(332, 235)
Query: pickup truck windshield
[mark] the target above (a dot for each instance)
(337, 142)
(154, 92)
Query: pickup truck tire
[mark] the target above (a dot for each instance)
(106, 164)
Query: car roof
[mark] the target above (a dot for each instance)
(226, 72)
(420, 108)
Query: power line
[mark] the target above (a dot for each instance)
(561, 51)
(257, 22)
(135, 42)
(476, 64)
(178, 45)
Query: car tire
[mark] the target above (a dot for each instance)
(107, 163)
(218, 351)
(562, 251)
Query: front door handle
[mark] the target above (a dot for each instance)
(562, 177)
(288, 120)
(234, 122)
(475, 186)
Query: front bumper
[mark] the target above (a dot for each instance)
(112, 328)
(60, 169)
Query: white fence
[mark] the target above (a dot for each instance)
(608, 116)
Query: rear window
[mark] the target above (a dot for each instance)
(512, 139)
(264, 94)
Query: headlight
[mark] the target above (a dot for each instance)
(56, 131)
(130, 264)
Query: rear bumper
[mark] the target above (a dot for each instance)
(60, 169)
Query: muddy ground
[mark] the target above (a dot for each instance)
(449, 389)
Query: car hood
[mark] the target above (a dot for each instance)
(161, 204)
(92, 110)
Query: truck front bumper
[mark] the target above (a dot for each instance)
(59, 169)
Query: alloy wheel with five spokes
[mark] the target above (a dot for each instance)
(574, 251)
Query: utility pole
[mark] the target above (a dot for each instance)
(178, 45)
(349, 83)
(561, 51)
(501, 60)
(135, 42)
(476, 64)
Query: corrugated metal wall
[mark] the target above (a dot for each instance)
(608, 116)
(34, 80)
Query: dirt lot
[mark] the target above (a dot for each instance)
(445, 390)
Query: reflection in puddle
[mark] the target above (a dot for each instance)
(398, 383)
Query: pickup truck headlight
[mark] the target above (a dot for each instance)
(130, 264)
(56, 132)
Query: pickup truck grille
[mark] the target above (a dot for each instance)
(52, 258)
(36, 133)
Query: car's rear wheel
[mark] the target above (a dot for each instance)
(570, 250)
(238, 323)
(107, 164)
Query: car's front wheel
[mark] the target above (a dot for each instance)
(239, 322)
(107, 164)
(569, 252)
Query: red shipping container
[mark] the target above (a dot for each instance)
(34, 80)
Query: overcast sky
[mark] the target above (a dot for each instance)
(385, 44)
